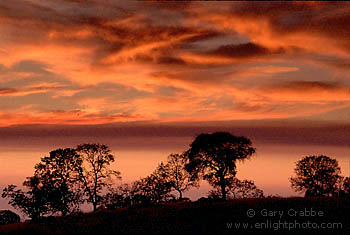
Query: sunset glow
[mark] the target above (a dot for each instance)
(95, 63)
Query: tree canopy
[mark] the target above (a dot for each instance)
(213, 157)
(94, 172)
(175, 173)
(346, 185)
(58, 175)
(154, 188)
(33, 203)
(316, 176)
(8, 217)
(238, 189)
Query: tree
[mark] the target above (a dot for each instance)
(213, 157)
(176, 175)
(8, 217)
(94, 173)
(58, 175)
(316, 176)
(247, 189)
(343, 187)
(154, 188)
(238, 189)
(346, 185)
(118, 197)
(33, 203)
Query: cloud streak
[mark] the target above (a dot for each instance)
(91, 62)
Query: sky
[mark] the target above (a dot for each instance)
(146, 77)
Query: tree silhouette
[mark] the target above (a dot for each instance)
(346, 185)
(8, 217)
(176, 174)
(118, 197)
(213, 157)
(316, 176)
(94, 172)
(58, 175)
(33, 203)
(238, 189)
(154, 188)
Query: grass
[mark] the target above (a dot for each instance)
(201, 217)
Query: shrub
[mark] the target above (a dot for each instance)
(8, 217)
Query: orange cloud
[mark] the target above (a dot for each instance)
(311, 92)
(64, 117)
(150, 61)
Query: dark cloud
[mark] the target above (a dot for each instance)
(245, 50)
(328, 19)
(270, 9)
(170, 60)
(18, 11)
(6, 91)
(29, 90)
(109, 38)
(312, 84)
(206, 75)
(143, 58)
(110, 90)
(108, 33)
(340, 64)
(260, 131)
(60, 111)
(30, 66)
(204, 35)
(170, 91)
(257, 108)
(332, 61)
(307, 85)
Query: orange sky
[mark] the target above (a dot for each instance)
(87, 62)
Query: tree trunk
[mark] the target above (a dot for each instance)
(180, 197)
(223, 192)
(223, 186)
(95, 205)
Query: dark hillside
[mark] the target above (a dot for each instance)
(205, 217)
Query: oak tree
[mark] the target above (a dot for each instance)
(213, 157)
(176, 174)
(33, 203)
(316, 176)
(58, 175)
(95, 173)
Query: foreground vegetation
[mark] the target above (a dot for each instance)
(201, 217)
(68, 177)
